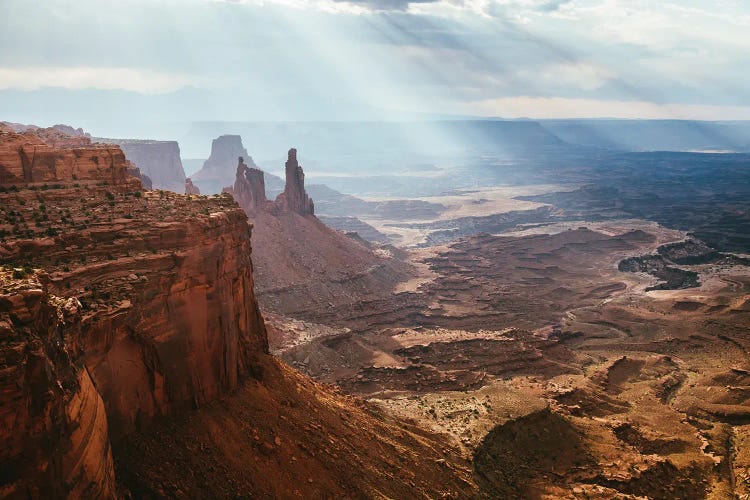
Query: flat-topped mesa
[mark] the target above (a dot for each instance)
(50, 156)
(224, 150)
(217, 169)
(191, 188)
(159, 160)
(294, 198)
(249, 188)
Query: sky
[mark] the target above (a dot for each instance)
(112, 65)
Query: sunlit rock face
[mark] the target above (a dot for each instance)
(39, 158)
(219, 169)
(294, 198)
(117, 305)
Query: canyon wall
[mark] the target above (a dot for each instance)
(54, 427)
(159, 160)
(117, 305)
(35, 158)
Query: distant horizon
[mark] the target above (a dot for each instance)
(159, 61)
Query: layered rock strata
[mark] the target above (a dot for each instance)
(159, 160)
(54, 426)
(30, 158)
(117, 305)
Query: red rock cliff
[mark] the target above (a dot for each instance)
(167, 318)
(51, 157)
(54, 427)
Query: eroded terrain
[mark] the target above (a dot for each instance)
(563, 373)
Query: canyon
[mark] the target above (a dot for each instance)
(549, 340)
(126, 313)
(560, 375)
(562, 334)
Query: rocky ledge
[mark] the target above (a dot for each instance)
(117, 305)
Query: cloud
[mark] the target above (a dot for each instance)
(133, 79)
(425, 55)
(552, 5)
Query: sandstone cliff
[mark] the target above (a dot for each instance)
(118, 306)
(159, 160)
(48, 158)
(54, 427)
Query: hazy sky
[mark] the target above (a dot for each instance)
(100, 62)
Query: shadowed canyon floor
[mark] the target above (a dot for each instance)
(284, 436)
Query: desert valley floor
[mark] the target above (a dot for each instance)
(558, 373)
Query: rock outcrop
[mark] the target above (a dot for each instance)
(117, 305)
(302, 264)
(48, 157)
(62, 130)
(249, 188)
(191, 188)
(294, 198)
(54, 427)
(159, 160)
(219, 169)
